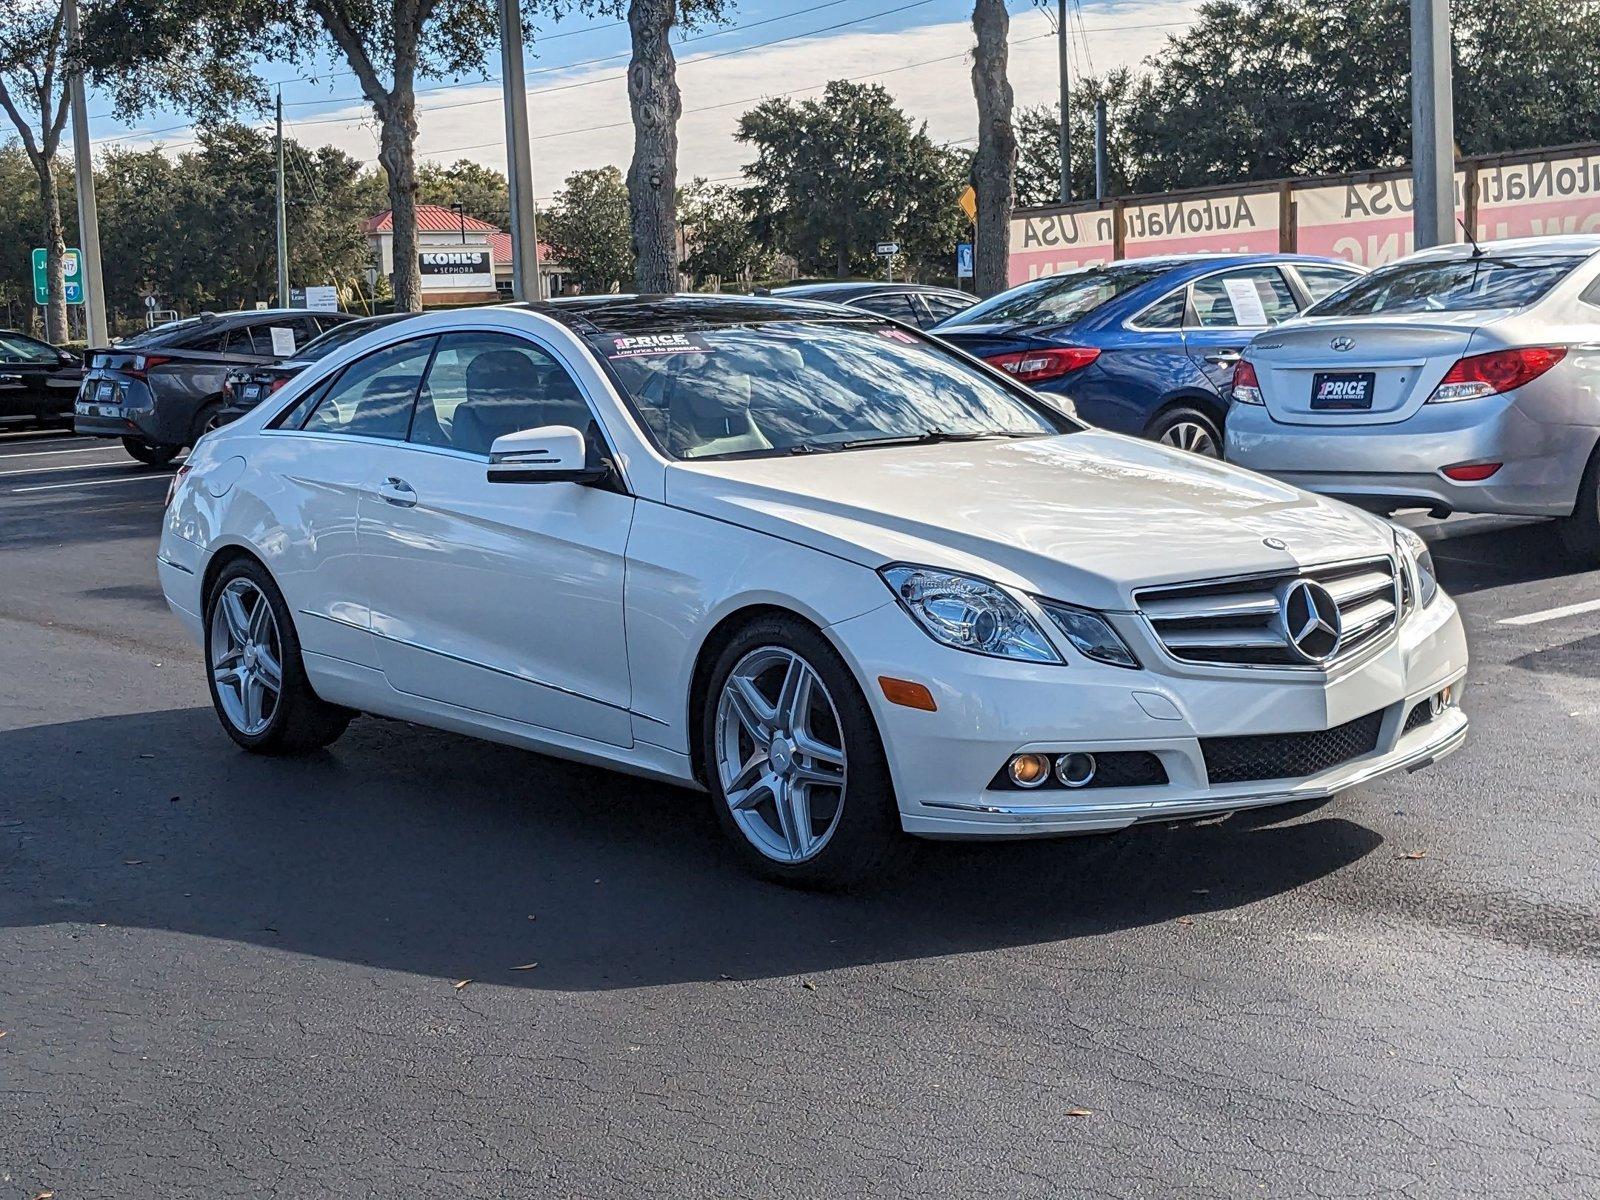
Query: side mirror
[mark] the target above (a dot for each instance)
(548, 454)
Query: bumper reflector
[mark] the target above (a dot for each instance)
(1471, 472)
(907, 694)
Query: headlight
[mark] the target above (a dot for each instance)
(969, 614)
(1420, 559)
(1090, 634)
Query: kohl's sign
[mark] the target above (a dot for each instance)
(457, 270)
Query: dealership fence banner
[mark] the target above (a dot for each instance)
(1364, 218)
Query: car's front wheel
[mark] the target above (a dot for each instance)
(794, 763)
(149, 453)
(258, 680)
(1187, 429)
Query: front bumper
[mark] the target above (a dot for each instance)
(944, 763)
(1398, 465)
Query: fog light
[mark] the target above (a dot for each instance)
(1075, 770)
(1028, 770)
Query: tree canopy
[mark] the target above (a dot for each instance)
(588, 231)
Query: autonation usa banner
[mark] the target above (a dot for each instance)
(1363, 218)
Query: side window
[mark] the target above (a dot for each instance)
(484, 385)
(374, 395)
(1323, 281)
(945, 307)
(242, 341)
(1251, 298)
(1591, 294)
(18, 349)
(208, 343)
(891, 304)
(1165, 313)
(295, 416)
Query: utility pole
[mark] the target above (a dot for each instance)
(1102, 167)
(1066, 98)
(1433, 156)
(283, 220)
(525, 284)
(94, 288)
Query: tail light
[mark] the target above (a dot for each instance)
(1035, 366)
(177, 480)
(1495, 372)
(143, 363)
(1246, 387)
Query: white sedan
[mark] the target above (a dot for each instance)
(851, 582)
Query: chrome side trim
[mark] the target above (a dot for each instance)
(174, 564)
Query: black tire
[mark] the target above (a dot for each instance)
(302, 720)
(1580, 533)
(1184, 424)
(867, 842)
(149, 453)
(205, 421)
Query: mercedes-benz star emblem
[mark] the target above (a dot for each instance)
(1275, 543)
(1311, 621)
(1343, 343)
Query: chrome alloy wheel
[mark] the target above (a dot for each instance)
(780, 754)
(1191, 436)
(246, 657)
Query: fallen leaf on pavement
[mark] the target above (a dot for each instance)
(1413, 854)
(132, 862)
(1080, 1112)
(525, 967)
(808, 985)
(1185, 920)
(3, 1032)
(460, 983)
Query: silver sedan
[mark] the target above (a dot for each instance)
(1458, 379)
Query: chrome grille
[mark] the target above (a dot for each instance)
(1240, 622)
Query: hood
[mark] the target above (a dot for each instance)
(1085, 517)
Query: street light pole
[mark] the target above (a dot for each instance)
(283, 217)
(94, 289)
(1066, 110)
(525, 284)
(1433, 158)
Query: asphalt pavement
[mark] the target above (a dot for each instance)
(418, 965)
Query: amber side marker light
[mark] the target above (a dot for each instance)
(907, 694)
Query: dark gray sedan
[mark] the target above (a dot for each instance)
(160, 390)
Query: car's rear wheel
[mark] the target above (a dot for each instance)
(258, 680)
(150, 454)
(1187, 429)
(794, 763)
(1580, 533)
(207, 419)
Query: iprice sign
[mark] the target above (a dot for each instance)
(963, 260)
(71, 267)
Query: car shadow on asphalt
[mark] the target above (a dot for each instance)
(413, 850)
(1496, 557)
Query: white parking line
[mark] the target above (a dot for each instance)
(1552, 614)
(94, 466)
(51, 487)
(4, 457)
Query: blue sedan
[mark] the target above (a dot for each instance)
(1145, 346)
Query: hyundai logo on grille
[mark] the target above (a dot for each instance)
(1343, 343)
(1311, 620)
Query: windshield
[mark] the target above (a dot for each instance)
(793, 387)
(1058, 299)
(1450, 285)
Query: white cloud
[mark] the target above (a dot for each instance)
(716, 92)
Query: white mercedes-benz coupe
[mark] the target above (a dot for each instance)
(853, 583)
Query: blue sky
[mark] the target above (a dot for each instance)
(578, 98)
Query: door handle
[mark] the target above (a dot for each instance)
(1224, 358)
(398, 492)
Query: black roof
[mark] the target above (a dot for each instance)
(651, 314)
(849, 289)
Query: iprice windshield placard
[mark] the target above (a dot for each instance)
(646, 344)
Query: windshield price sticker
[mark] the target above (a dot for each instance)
(895, 335)
(647, 344)
(1247, 307)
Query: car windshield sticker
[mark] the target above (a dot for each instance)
(648, 344)
(895, 335)
(282, 341)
